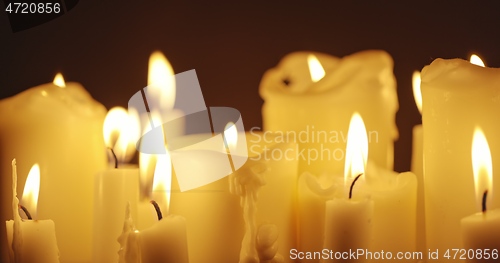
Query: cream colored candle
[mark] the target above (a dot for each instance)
(115, 186)
(348, 221)
(313, 95)
(417, 166)
(457, 96)
(166, 240)
(313, 193)
(221, 211)
(60, 128)
(395, 209)
(30, 240)
(481, 231)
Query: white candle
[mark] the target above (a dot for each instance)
(348, 221)
(481, 231)
(30, 240)
(221, 209)
(115, 186)
(60, 128)
(318, 109)
(457, 95)
(313, 192)
(417, 165)
(166, 240)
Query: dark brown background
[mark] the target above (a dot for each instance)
(105, 45)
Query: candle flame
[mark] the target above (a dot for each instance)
(161, 80)
(31, 190)
(147, 162)
(356, 149)
(476, 60)
(315, 68)
(230, 136)
(59, 81)
(163, 178)
(481, 165)
(417, 93)
(121, 131)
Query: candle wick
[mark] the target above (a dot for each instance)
(352, 185)
(114, 157)
(157, 208)
(26, 212)
(485, 195)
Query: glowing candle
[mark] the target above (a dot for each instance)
(313, 95)
(457, 96)
(417, 167)
(30, 240)
(348, 223)
(166, 240)
(58, 126)
(481, 231)
(117, 185)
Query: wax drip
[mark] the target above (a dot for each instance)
(114, 157)
(246, 183)
(485, 196)
(17, 240)
(267, 244)
(129, 248)
(352, 185)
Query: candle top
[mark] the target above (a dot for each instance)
(459, 74)
(371, 69)
(48, 98)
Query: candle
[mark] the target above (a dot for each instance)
(58, 127)
(316, 109)
(155, 105)
(417, 165)
(115, 186)
(481, 231)
(221, 210)
(166, 240)
(313, 192)
(395, 209)
(457, 96)
(348, 221)
(30, 240)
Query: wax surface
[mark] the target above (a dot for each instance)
(114, 188)
(38, 241)
(481, 231)
(348, 225)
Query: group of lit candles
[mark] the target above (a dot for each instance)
(319, 176)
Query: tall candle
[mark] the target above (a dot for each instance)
(115, 186)
(60, 128)
(457, 96)
(316, 107)
(30, 240)
(481, 231)
(417, 166)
